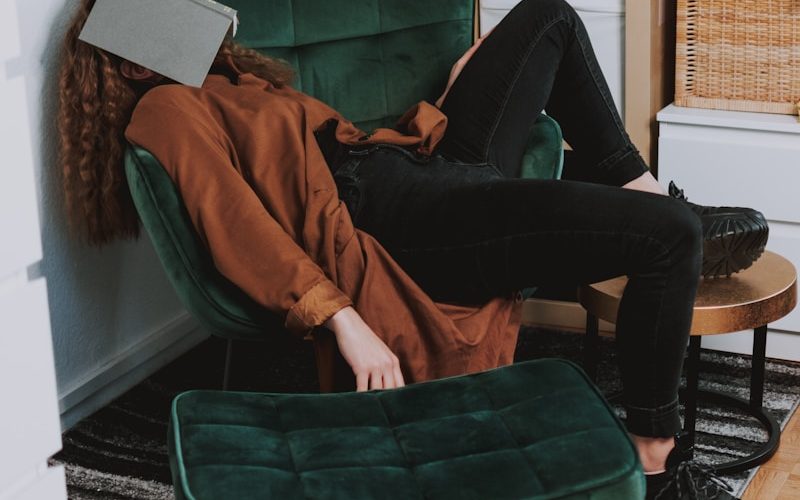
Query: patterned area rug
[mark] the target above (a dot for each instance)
(120, 452)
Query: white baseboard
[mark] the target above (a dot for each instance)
(570, 316)
(108, 381)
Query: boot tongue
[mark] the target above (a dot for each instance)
(675, 192)
(683, 451)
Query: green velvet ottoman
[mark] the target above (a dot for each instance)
(538, 429)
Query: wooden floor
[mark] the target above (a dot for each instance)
(780, 477)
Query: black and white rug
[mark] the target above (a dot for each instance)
(120, 452)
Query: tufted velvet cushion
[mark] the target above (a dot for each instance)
(532, 430)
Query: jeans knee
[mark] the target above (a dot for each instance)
(684, 232)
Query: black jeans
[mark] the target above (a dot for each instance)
(470, 231)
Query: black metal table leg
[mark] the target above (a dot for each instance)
(758, 367)
(590, 346)
(766, 450)
(753, 407)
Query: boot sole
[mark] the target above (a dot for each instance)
(733, 244)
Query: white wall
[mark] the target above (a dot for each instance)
(114, 316)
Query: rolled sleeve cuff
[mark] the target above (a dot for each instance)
(426, 122)
(316, 306)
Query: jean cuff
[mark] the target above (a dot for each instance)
(661, 421)
(622, 167)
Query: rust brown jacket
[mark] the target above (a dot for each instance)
(245, 160)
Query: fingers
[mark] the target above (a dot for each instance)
(392, 376)
(361, 381)
(385, 376)
(388, 379)
(375, 380)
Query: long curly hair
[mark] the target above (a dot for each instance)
(95, 105)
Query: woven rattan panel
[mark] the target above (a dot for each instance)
(738, 55)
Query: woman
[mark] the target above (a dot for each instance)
(253, 159)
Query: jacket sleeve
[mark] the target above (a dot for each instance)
(426, 122)
(248, 245)
(422, 127)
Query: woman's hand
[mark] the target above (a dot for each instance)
(374, 365)
(459, 66)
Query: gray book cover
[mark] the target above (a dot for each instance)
(175, 38)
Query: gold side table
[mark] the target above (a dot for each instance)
(751, 299)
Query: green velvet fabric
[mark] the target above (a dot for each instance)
(217, 303)
(370, 60)
(544, 157)
(537, 429)
(374, 61)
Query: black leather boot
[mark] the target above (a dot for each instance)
(685, 479)
(735, 237)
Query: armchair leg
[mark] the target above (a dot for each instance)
(324, 351)
(591, 344)
(226, 375)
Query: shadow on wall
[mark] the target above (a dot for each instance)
(103, 302)
(18, 210)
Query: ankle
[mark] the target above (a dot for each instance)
(647, 183)
(653, 452)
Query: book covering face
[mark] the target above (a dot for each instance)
(175, 38)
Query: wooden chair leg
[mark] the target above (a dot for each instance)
(325, 353)
(332, 371)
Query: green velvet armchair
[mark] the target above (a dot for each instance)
(370, 60)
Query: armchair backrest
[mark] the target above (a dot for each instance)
(368, 59)
(220, 306)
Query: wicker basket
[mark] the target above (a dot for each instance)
(739, 55)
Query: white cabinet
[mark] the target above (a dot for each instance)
(605, 22)
(729, 157)
(29, 426)
(740, 159)
(29, 429)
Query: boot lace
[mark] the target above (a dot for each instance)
(676, 192)
(696, 481)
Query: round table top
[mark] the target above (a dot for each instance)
(761, 294)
